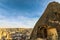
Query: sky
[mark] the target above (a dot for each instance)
(21, 13)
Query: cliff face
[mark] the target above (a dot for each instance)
(49, 19)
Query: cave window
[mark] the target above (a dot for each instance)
(42, 32)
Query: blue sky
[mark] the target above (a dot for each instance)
(21, 13)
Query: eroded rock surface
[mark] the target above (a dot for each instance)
(49, 20)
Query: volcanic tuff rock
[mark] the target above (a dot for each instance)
(49, 20)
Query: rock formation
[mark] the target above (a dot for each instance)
(48, 22)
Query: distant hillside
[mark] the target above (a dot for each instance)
(26, 29)
(8, 31)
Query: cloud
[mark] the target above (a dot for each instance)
(19, 22)
(12, 21)
(29, 22)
